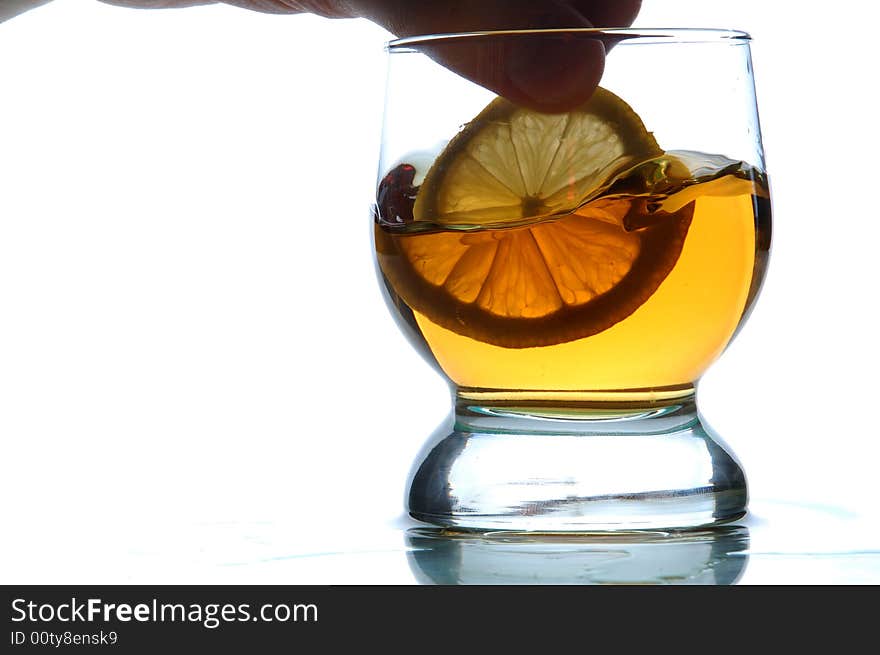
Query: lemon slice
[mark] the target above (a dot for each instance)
(525, 246)
(511, 164)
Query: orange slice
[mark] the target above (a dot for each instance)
(508, 251)
(511, 164)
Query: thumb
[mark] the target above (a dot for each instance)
(546, 72)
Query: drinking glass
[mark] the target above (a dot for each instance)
(570, 226)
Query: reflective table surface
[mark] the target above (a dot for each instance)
(777, 543)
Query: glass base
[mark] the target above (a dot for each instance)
(576, 467)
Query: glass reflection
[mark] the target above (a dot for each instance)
(714, 556)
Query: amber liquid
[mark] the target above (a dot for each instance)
(657, 350)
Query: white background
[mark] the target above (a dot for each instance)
(196, 365)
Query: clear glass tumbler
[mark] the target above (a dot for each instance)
(570, 226)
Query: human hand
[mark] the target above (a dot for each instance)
(548, 74)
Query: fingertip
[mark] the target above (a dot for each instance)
(553, 74)
(543, 71)
(608, 13)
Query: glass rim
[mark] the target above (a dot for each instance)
(622, 35)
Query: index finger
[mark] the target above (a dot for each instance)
(544, 71)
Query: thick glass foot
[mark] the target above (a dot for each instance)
(576, 467)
